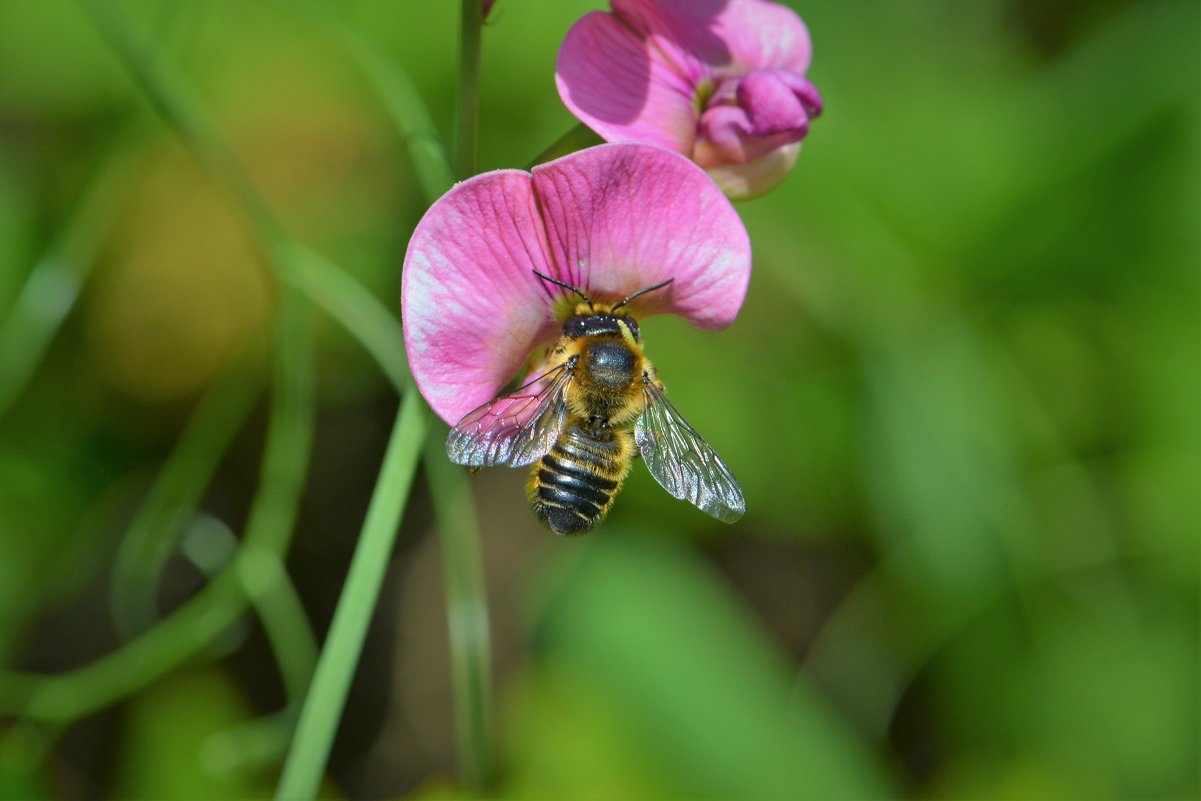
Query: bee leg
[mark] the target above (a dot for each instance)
(597, 427)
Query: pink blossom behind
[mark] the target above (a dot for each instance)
(721, 81)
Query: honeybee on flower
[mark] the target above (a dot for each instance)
(558, 265)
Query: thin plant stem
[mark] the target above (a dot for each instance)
(285, 623)
(458, 533)
(254, 745)
(467, 116)
(172, 501)
(50, 291)
(53, 285)
(348, 302)
(270, 590)
(453, 504)
(305, 764)
(466, 612)
(169, 92)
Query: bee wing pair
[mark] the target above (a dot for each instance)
(519, 428)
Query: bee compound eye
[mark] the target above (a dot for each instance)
(575, 327)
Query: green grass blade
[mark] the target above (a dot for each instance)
(50, 291)
(306, 760)
(348, 302)
(173, 499)
(196, 624)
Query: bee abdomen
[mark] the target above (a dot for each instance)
(573, 486)
(586, 486)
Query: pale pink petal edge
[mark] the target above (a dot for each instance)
(756, 177)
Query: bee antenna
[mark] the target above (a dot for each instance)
(565, 285)
(643, 292)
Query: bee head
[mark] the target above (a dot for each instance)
(601, 323)
(597, 319)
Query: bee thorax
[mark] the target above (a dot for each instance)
(611, 364)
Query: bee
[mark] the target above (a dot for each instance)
(583, 421)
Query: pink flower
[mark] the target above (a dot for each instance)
(721, 81)
(610, 220)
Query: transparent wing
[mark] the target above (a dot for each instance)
(682, 462)
(515, 429)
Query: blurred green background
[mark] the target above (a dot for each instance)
(963, 398)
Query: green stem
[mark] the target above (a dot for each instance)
(467, 117)
(224, 600)
(50, 291)
(306, 760)
(173, 499)
(270, 589)
(466, 612)
(578, 138)
(348, 302)
(54, 284)
(252, 746)
(284, 620)
(453, 504)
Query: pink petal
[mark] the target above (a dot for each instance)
(623, 217)
(622, 87)
(804, 90)
(732, 37)
(771, 105)
(472, 308)
(682, 31)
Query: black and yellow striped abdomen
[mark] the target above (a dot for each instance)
(572, 487)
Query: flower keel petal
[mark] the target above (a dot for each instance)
(753, 115)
